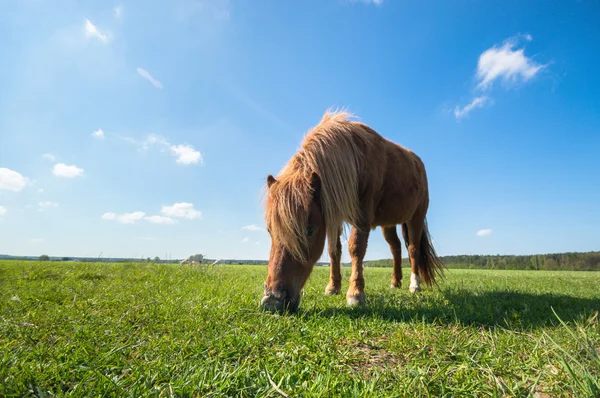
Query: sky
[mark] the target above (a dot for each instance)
(147, 128)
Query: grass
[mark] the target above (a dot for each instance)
(73, 329)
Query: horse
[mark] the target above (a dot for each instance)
(193, 259)
(345, 172)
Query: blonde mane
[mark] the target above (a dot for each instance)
(331, 151)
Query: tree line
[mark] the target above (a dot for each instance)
(587, 261)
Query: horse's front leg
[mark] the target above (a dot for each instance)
(357, 246)
(335, 255)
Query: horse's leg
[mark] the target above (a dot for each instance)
(414, 229)
(357, 246)
(335, 255)
(391, 236)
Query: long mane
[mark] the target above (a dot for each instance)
(332, 151)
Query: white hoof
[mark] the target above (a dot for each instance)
(356, 300)
(415, 283)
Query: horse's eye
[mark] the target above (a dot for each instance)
(309, 230)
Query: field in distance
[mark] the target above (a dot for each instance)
(73, 329)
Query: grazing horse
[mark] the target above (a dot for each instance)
(193, 259)
(345, 172)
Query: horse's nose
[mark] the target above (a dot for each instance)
(270, 303)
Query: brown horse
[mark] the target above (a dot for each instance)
(345, 172)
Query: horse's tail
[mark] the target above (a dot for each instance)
(431, 266)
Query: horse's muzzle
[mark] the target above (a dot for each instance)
(283, 303)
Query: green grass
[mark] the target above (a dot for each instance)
(164, 330)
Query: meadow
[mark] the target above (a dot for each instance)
(111, 329)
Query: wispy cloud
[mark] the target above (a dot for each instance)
(49, 156)
(181, 210)
(67, 171)
(186, 154)
(99, 134)
(255, 106)
(11, 180)
(146, 75)
(91, 31)
(160, 220)
(245, 240)
(478, 102)
(118, 11)
(46, 205)
(374, 2)
(2, 211)
(148, 238)
(484, 232)
(217, 9)
(252, 227)
(125, 218)
(507, 63)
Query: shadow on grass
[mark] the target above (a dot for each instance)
(497, 308)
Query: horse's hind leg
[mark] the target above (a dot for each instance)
(414, 229)
(391, 236)
(335, 255)
(357, 246)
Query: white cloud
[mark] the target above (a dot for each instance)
(41, 190)
(12, 180)
(118, 11)
(92, 31)
(49, 156)
(186, 154)
(375, 2)
(477, 102)
(146, 75)
(506, 63)
(38, 240)
(160, 220)
(484, 232)
(2, 211)
(46, 205)
(98, 134)
(67, 171)
(182, 210)
(125, 218)
(252, 227)
(245, 240)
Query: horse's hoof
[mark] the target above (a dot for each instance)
(332, 290)
(415, 283)
(415, 289)
(396, 285)
(356, 299)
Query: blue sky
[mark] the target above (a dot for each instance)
(146, 128)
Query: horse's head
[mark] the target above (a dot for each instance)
(296, 224)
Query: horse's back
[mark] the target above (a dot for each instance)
(400, 182)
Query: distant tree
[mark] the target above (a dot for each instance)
(44, 257)
(66, 259)
(157, 259)
(148, 260)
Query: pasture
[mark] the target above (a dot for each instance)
(104, 329)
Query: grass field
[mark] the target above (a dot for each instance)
(165, 330)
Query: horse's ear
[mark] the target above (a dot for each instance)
(270, 180)
(315, 184)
